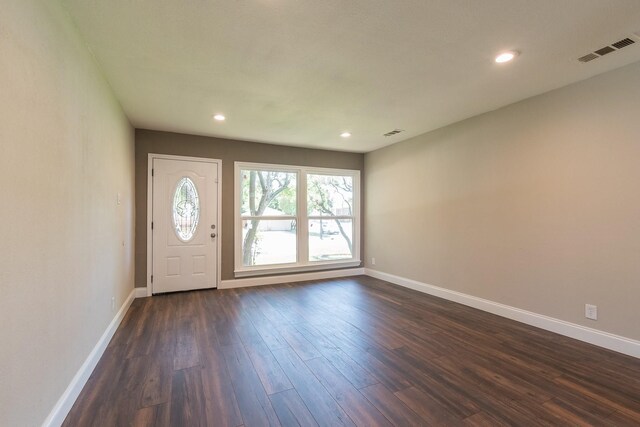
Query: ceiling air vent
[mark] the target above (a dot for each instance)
(394, 132)
(589, 57)
(607, 49)
(622, 43)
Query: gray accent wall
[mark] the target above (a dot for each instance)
(229, 151)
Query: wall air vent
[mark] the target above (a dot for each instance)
(613, 47)
(394, 132)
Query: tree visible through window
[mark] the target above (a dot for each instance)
(330, 206)
(266, 197)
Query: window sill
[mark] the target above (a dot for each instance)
(296, 269)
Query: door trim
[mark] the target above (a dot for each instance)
(151, 157)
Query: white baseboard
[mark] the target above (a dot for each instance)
(63, 406)
(607, 340)
(290, 278)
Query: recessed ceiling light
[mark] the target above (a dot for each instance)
(345, 134)
(219, 117)
(506, 56)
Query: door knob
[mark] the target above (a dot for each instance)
(213, 234)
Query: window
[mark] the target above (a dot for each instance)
(269, 222)
(291, 218)
(331, 219)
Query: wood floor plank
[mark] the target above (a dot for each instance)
(187, 398)
(430, 410)
(269, 371)
(499, 383)
(126, 331)
(221, 405)
(359, 409)
(627, 406)
(186, 354)
(273, 315)
(152, 416)
(270, 334)
(322, 406)
(357, 374)
(251, 397)
(142, 339)
(99, 388)
(226, 334)
(163, 333)
(349, 351)
(573, 414)
(131, 381)
(482, 419)
(516, 413)
(391, 407)
(302, 346)
(622, 419)
(445, 388)
(291, 410)
(157, 383)
(357, 349)
(117, 404)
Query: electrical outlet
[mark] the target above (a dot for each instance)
(591, 311)
(373, 261)
(113, 303)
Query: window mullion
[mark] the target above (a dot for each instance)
(303, 221)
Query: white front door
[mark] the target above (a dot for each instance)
(184, 225)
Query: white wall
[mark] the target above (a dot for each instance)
(66, 247)
(536, 205)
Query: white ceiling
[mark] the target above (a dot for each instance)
(299, 72)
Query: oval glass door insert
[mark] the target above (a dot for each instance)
(186, 209)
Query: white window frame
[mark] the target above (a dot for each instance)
(302, 222)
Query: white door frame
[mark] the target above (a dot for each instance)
(150, 159)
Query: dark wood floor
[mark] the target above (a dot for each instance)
(355, 351)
